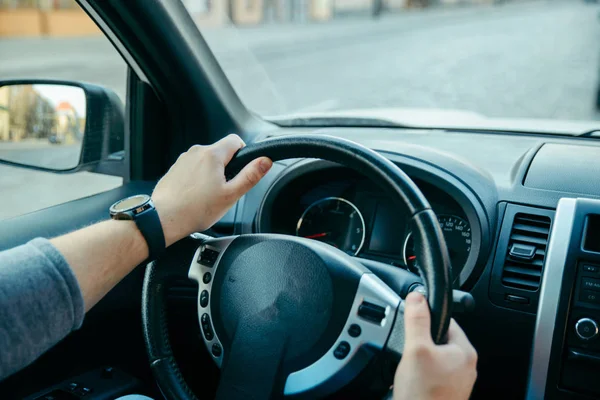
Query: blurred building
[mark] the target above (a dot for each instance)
(25, 114)
(254, 12)
(44, 18)
(65, 18)
(67, 128)
(4, 114)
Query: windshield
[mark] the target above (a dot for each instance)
(445, 61)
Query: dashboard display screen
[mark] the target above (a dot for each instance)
(591, 240)
(388, 231)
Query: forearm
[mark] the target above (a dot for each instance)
(46, 286)
(101, 255)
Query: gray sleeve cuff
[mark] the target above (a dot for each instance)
(62, 267)
(40, 303)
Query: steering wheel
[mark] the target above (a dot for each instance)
(288, 316)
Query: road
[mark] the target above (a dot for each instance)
(534, 59)
(41, 154)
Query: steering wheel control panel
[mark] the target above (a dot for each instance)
(368, 327)
(202, 271)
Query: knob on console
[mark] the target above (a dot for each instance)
(586, 328)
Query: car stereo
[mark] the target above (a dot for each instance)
(565, 361)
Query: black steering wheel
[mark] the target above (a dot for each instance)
(288, 316)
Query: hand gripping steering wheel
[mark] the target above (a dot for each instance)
(288, 316)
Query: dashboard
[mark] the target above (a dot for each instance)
(496, 197)
(338, 206)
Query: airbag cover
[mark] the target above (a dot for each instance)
(298, 294)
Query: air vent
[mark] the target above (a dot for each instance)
(526, 252)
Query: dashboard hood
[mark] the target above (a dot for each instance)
(454, 119)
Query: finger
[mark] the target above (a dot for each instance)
(249, 176)
(227, 147)
(457, 336)
(417, 319)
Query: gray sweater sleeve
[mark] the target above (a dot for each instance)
(40, 303)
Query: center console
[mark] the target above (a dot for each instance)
(565, 363)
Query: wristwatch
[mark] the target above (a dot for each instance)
(140, 209)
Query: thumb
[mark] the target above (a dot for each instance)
(248, 177)
(417, 319)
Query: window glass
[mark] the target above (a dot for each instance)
(480, 63)
(49, 39)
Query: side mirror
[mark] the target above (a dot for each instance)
(61, 126)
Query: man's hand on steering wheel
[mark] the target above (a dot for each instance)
(428, 371)
(194, 194)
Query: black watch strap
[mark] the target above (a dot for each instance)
(149, 224)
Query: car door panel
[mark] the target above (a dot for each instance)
(54, 221)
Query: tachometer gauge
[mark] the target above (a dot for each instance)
(457, 233)
(334, 221)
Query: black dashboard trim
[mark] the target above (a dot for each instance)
(521, 169)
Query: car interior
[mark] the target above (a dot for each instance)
(501, 230)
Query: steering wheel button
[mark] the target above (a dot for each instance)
(354, 330)
(371, 312)
(207, 278)
(206, 327)
(217, 350)
(208, 333)
(342, 350)
(208, 257)
(204, 298)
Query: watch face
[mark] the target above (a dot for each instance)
(130, 203)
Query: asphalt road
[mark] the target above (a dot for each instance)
(41, 154)
(528, 58)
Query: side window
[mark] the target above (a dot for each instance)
(44, 125)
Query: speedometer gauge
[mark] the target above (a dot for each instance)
(334, 221)
(457, 233)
